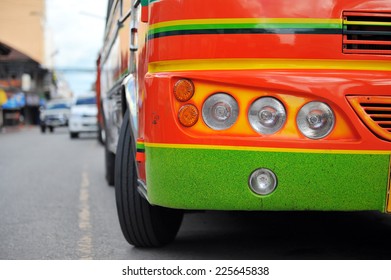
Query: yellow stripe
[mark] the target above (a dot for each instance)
(367, 23)
(243, 20)
(265, 149)
(258, 64)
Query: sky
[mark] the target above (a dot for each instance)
(75, 34)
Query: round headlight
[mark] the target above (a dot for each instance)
(220, 111)
(267, 115)
(315, 120)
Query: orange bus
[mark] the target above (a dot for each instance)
(246, 105)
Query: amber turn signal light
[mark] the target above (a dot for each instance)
(183, 90)
(188, 115)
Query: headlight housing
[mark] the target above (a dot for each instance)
(220, 111)
(267, 115)
(315, 120)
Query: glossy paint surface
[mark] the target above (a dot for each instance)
(288, 50)
(292, 87)
(194, 29)
(115, 51)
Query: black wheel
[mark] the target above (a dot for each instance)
(43, 128)
(109, 156)
(142, 224)
(74, 135)
(109, 164)
(101, 126)
(101, 134)
(51, 129)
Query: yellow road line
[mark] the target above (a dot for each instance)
(85, 241)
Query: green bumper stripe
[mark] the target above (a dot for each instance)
(218, 179)
(140, 146)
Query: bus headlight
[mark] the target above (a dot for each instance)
(220, 111)
(267, 115)
(315, 120)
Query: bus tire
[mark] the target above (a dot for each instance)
(109, 165)
(73, 135)
(142, 224)
(101, 134)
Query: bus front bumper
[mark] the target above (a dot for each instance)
(217, 178)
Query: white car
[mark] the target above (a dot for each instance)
(83, 116)
(54, 114)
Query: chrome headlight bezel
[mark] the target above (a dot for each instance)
(315, 120)
(220, 111)
(267, 115)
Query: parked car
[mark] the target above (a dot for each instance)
(83, 115)
(54, 114)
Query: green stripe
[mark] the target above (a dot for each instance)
(218, 179)
(147, 2)
(140, 146)
(245, 26)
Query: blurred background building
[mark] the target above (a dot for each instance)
(26, 61)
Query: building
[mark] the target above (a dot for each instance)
(22, 55)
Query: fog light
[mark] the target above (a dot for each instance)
(263, 181)
(220, 111)
(267, 115)
(315, 120)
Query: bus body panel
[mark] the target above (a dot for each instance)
(293, 51)
(192, 168)
(289, 50)
(114, 69)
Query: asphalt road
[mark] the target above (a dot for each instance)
(55, 204)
